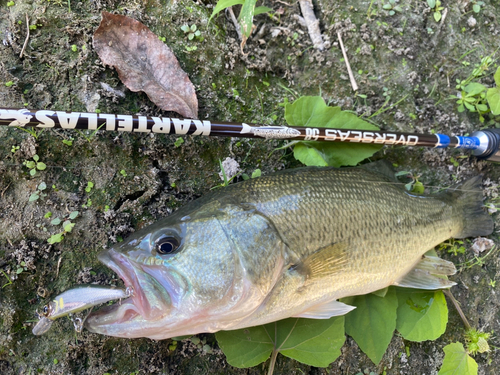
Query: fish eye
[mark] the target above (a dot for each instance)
(166, 245)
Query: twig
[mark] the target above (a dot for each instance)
(312, 23)
(457, 307)
(351, 76)
(235, 22)
(27, 36)
(58, 265)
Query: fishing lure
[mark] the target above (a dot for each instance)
(75, 300)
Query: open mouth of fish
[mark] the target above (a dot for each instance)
(155, 289)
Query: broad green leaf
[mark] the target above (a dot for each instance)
(431, 3)
(309, 155)
(497, 77)
(42, 186)
(73, 215)
(372, 323)
(261, 9)
(223, 4)
(316, 342)
(493, 98)
(246, 18)
(40, 166)
(312, 111)
(422, 315)
(437, 16)
(474, 88)
(457, 361)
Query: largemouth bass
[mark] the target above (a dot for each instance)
(283, 245)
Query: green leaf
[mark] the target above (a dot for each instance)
(40, 166)
(256, 173)
(316, 342)
(476, 8)
(437, 16)
(493, 98)
(372, 323)
(312, 111)
(474, 88)
(261, 9)
(223, 4)
(457, 361)
(55, 221)
(431, 3)
(33, 197)
(246, 18)
(68, 226)
(308, 154)
(36, 157)
(55, 238)
(422, 315)
(73, 215)
(30, 164)
(32, 172)
(42, 186)
(497, 77)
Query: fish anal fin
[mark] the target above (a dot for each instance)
(381, 292)
(325, 310)
(430, 273)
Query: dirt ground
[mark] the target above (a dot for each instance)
(406, 58)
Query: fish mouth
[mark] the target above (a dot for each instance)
(151, 299)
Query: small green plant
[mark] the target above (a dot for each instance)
(414, 186)
(9, 282)
(14, 149)
(87, 204)
(31, 131)
(10, 3)
(191, 32)
(90, 137)
(477, 98)
(21, 268)
(178, 142)
(435, 5)
(123, 173)
(245, 18)
(477, 341)
(453, 246)
(67, 226)
(74, 47)
(89, 187)
(9, 83)
(68, 142)
(256, 173)
(34, 165)
(38, 193)
(392, 7)
(476, 6)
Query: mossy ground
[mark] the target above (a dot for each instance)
(407, 56)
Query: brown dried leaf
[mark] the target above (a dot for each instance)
(145, 63)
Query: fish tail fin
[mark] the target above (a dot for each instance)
(468, 198)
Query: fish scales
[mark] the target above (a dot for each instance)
(288, 244)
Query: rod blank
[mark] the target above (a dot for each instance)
(485, 143)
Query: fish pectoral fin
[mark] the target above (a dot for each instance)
(325, 310)
(381, 292)
(324, 262)
(429, 273)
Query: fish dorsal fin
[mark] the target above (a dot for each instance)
(429, 273)
(382, 167)
(324, 262)
(325, 310)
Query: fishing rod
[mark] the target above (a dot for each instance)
(484, 144)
